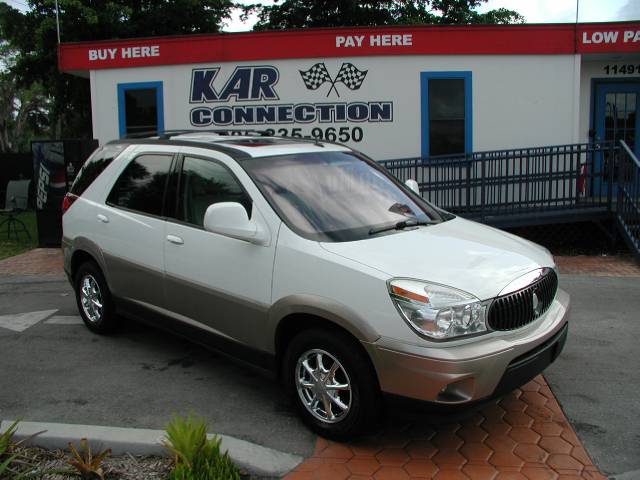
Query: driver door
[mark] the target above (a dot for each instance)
(216, 282)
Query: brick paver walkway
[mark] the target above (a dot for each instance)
(39, 261)
(599, 266)
(525, 435)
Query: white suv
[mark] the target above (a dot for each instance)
(311, 260)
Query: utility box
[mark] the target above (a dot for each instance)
(55, 165)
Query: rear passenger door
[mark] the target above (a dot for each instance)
(131, 227)
(221, 283)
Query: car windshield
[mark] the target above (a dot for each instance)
(336, 196)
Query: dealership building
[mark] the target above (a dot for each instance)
(391, 92)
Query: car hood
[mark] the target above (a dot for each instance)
(478, 259)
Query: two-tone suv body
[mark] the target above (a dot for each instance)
(309, 259)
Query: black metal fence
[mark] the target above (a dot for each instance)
(14, 166)
(528, 186)
(514, 182)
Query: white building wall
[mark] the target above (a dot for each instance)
(518, 101)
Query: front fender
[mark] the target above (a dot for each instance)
(323, 307)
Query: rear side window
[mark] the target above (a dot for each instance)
(203, 183)
(142, 184)
(94, 166)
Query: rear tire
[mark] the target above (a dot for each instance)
(94, 300)
(332, 383)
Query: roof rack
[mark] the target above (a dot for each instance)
(167, 134)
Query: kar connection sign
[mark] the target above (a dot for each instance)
(258, 84)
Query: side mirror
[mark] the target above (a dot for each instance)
(231, 219)
(413, 185)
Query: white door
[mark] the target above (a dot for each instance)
(219, 282)
(131, 228)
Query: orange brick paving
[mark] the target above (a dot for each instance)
(609, 266)
(39, 261)
(524, 436)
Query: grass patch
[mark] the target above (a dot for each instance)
(11, 247)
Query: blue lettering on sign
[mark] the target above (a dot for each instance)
(292, 113)
(244, 84)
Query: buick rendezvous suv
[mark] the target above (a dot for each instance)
(311, 260)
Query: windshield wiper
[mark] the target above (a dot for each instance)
(401, 225)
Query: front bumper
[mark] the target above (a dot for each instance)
(475, 369)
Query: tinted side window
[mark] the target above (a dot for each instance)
(203, 183)
(94, 166)
(141, 185)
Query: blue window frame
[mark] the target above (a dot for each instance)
(145, 103)
(458, 128)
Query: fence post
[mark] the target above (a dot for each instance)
(612, 168)
(468, 159)
(482, 183)
(621, 168)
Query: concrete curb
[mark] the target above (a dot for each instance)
(256, 459)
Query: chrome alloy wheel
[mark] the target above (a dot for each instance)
(91, 298)
(323, 385)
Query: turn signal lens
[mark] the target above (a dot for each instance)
(409, 294)
(437, 311)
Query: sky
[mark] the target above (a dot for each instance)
(534, 11)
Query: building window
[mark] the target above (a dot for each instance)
(140, 108)
(446, 113)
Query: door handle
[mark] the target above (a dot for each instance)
(175, 239)
(103, 218)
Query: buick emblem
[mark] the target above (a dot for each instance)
(536, 303)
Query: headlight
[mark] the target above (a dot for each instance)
(437, 311)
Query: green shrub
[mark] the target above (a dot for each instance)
(6, 457)
(195, 456)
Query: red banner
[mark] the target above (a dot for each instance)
(605, 38)
(348, 42)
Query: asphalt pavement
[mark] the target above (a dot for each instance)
(596, 379)
(58, 371)
(55, 370)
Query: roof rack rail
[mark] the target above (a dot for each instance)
(167, 134)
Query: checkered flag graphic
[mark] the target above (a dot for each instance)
(315, 76)
(351, 76)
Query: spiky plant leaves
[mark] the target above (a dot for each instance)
(197, 457)
(88, 466)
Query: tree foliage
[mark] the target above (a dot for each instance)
(23, 111)
(33, 35)
(337, 13)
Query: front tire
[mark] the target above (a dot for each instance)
(94, 299)
(332, 383)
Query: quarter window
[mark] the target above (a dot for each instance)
(94, 166)
(141, 185)
(203, 183)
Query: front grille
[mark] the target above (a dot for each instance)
(516, 309)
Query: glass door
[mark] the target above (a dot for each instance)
(616, 107)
